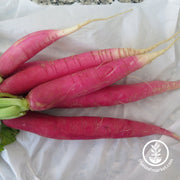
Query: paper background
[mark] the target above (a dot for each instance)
(33, 157)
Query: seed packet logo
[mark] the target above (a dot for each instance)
(155, 153)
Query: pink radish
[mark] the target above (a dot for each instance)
(78, 128)
(40, 72)
(121, 94)
(28, 46)
(52, 93)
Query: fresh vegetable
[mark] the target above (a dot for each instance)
(121, 94)
(52, 93)
(43, 71)
(78, 128)
(28, 46)
(49, 94)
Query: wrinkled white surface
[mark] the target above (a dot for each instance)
(33, 157)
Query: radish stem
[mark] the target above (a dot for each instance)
(7, 102)
(12, 106)
(3, 95)
(11, 112)
(1, 79)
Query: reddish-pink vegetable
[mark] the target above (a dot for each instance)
(38, 73)
(28, 65)
(52, 93)
(28, 46)
(121, 94)
(84, 127)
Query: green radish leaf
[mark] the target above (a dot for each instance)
(7, 135)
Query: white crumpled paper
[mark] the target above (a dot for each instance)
(33, 157)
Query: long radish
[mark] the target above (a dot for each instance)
(49, 94)
(28, 46)
(40, 72)
(84, 128)
(121, 94)
(52, 93)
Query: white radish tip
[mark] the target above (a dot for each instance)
(148, 58)
(176, 136)
(158, 44)
(78, 26)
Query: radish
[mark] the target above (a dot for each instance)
(84, 128)
(28, 64)
(121, 94)
(28, 46)
(49, 94)
(43, 71)
(52, 93)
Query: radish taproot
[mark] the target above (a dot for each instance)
(26, 47)
(52, 93)
(43, 71)
(84, 127)
(49, 94)
(121, 94)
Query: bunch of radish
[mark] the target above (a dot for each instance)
(82, 80)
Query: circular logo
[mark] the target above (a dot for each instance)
(155, 153)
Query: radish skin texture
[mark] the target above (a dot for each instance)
(28, 65)
(28, 46)
(36, 73)
(84, 128)
(52, 93)
(121, 94)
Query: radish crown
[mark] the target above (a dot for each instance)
(12, 106)
(1, 79)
